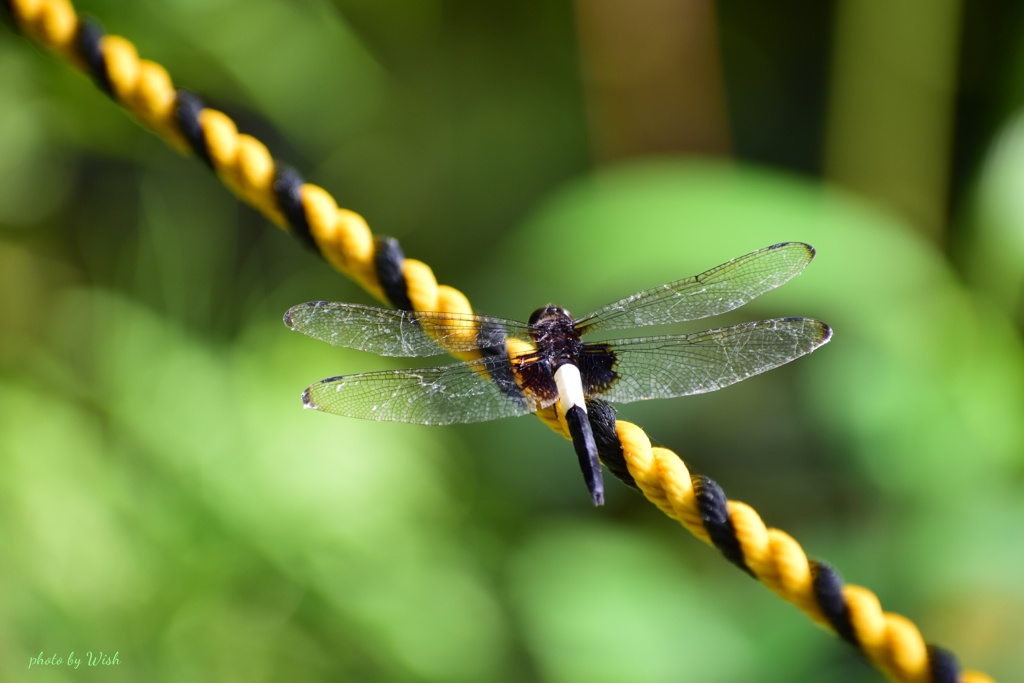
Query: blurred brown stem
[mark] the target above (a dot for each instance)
(891, 109)
(652, 77)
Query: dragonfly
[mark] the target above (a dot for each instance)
(511, 368)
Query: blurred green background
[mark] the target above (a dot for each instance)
(163, 495)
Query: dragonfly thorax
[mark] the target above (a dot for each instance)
(554, 332)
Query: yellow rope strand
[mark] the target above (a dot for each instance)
(890, 641)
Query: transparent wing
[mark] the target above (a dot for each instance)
(448, 394)
(680, 365)
(720, 289)
(388, 332)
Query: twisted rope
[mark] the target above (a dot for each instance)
(889, 641)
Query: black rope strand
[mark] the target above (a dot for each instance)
(287, 188)
(187, 109)
(944, 665)
(714, 512)
(828, 592)
(90, 33)
(388, 259)
(602, 423)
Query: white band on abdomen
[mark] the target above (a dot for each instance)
(570, 388)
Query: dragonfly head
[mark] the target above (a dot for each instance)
(549, 314)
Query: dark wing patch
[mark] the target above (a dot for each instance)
(597, 363)
(536, 379)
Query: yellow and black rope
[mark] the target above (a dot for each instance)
(889, 641)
